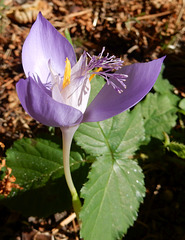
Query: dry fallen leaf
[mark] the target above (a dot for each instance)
(27, 13)
(7, 183)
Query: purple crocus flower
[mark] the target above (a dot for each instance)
(57, 88)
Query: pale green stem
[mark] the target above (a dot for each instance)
(67, 136)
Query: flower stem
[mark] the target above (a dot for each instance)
(67, 136)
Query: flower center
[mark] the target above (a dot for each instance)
(75, 83)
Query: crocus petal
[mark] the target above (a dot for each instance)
(45, 43)
(79, 68)
(108, 103)
(40, 106)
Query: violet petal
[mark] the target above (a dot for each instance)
(45, 43)
(40, 106)
(108, 103)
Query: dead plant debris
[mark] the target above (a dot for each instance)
(8, 181)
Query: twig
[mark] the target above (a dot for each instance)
(76, 14)
(65, 222)
(153, 15)
(7, 83)
(75, 229)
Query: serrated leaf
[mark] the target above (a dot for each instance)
(164, 87)
(159, 115)
(122, 133)
(182, 104)
(177, 148)
(38, 168)
(115, 187)
(112, 197)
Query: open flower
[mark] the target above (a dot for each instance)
(57, 88)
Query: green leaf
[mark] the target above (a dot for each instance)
(182, 104)
(177, 148)
(164, 87)
(68, 36)
(115, 187)
(159, 115)
(122, 133)
(112, 197)
(38, 168)
(96, 85)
